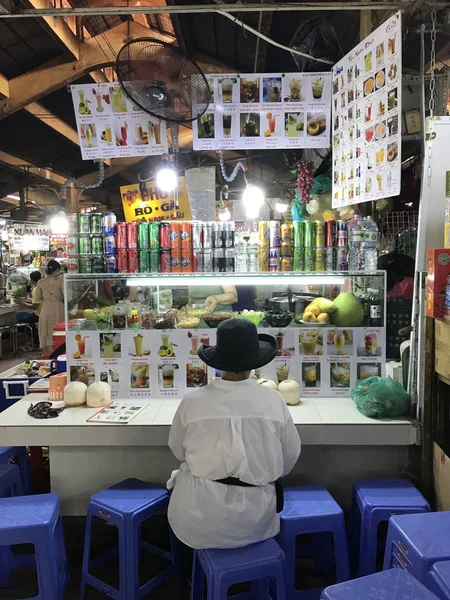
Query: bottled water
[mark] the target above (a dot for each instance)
(355, 245)
(371, 239)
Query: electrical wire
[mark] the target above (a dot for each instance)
(84, 186)
(270, 41)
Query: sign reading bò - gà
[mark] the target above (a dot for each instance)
(151, 204)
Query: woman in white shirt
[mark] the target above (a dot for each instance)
(235, 439)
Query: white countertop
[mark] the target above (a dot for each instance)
(320, 421)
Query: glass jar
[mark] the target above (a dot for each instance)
(133, 317)
(119, 317)
(103, 320)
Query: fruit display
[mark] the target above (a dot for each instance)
(268, 383)
(213, 320)
(278, 318)
(288, 388)
(349, 310)
(75, 393)
(319, 311)
(163, 320)
(305, 178)
(98, 394)
(255, 316)
(133, 318)
(185, 321)
(103, 318)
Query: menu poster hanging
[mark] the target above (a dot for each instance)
(110, 125)
(270, 110)
(367, 103)
(152, 364)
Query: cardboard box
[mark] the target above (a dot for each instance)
(438, 283)
(441, 475)
(442, 348)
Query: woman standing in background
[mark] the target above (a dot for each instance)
(49, 292)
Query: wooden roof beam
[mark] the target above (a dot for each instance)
(20, 164)
(94, 54)
(51, 120)
(59, 28)
(4, 86)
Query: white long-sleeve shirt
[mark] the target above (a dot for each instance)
(229, 429)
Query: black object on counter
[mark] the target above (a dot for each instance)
(44, 410)
(278, 318)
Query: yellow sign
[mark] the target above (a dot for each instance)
(154, 205)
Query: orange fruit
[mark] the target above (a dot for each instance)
(76, 354)
(78, 337)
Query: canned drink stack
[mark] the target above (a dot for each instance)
(85, 244)
(109, 244)
(84, 224)
(97, 245)
(175, 261)
(217, 237)
(197, 260)
(164, 236)
(330, 234)
(109, 222)
(98, 266)
(165, 261)
(133, 261)
(122, 261)
(175, 235)
(185, 235)
(341, 227)
(143, 237)
(153, 232)
(274, 259)
(230, 234)
(330, 259)
(207, 260)
(72, 245)
(132, 236)
(274, 234)
(73, 264)
(319, 229)
(309, 259)
(207, 234)
(186, 260)
(95, 223)
(299, 234)
(73, 224)
(111, 264)
(121, 236)
(85, 264)
(309, 234)
(319, 259)
(196, 234)
(263, 259)
(144, 261)
(263, 234)
(155, 260)
(299, 259)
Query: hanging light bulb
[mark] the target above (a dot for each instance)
(253, 198)
(59, 223)
(281, 205)
(166, 179)
(224, 213)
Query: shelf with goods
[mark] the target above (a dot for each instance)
(330, 329)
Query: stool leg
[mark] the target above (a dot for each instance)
(341, 554)
(198, 579)
(86, 554)
(129, 554)
(260, 589)
(175, 557)
(289, 546)
(47, 568)
(5, 566)
(323, 551)
(367, 548)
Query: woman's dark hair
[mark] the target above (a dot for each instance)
(52, 266)
(35, 276)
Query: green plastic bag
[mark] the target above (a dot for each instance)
(381, 398)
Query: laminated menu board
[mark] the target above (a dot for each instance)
(270, 110)
(110, 125)
(366, 118)
(158, 364)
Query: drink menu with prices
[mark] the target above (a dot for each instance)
(158, 364)
(278, 110)
(366, 122)
(110, 125)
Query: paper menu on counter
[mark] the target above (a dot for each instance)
(117, 412)
(366, 118)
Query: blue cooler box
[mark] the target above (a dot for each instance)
(14, 387)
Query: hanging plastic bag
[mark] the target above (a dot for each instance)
(381, 398)
(316, 37)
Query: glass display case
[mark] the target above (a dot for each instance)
(140, 332)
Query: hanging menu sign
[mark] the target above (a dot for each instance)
(274, 110)
(366, 135)
(110, 125)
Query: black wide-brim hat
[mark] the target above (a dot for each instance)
(239, 347)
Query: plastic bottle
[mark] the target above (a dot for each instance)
(371, 239)
(375, 308)
(355, 245)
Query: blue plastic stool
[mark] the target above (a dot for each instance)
(374, 502)
(224, 568)
(438, 580)
(20, 455)
(10, 482)
(127, 505)
(387, 585)
(416, 542)
(35, 520)
(312, 510)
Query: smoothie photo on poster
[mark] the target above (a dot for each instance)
(110, 345)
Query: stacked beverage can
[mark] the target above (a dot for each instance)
(341, 253)
(274, 259)
(72, 221)
(154, 235)
(186, 247)
(287, 247)
(330, 246)
(309, 246)
(109, 221)
(299, 246)
(95, 223)
(143, 237)
(97, 245)
(252, 262)
(319, 243)
(264, 245)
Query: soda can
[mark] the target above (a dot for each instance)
(330, 234)
(109, 244)
(95, 223)
(217, 229)
(218, 261)
(286, 249)
(207, 234)
(175, 236)
(164, 237)
(132, 236)
(73, 264)
(109, 222)
(84, 223)
(155, 260)
(85, 264)
(186, 260)
(143, 237)
(274, 259)
(196, 234)
(252, 263)
(197, 260)
(309, 259)
(309, 234)
(207, 260)
(144, 261)
(175, 261)
(319, 259)
(299, 259)
(299, 234)
(319, 227)
(153, 233)
(274, 234)
(111, 264)
(165, 261)
(133, 261)
(72, 245)
(263, 234)
(72, 221)
(263, 259)
(341, 258)
(287, 233)
(341, 227)
(121, 236)
(229, 234)
(330, 259)
(97, 245)
(286, 264)
(185, 235)
(85, 244)
(98, 266)
(229, 260)
(122, 261)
